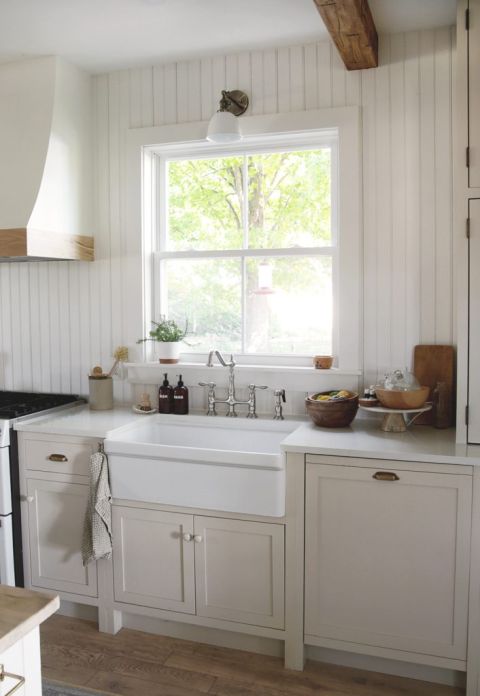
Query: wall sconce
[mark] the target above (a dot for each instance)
(223, 126)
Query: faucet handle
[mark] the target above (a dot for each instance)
(210, 385)
(252, 387)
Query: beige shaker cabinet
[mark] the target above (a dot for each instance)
(387, 558)
(239, 571)
(54, 486)
(153, 558)
(217, 568)
(56, 513)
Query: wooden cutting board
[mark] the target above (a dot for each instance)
(432, 364)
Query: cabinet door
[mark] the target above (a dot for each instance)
(387, 561)
(473, 38)
(56, 514)
(474, 324)
(23, 659)
(153, 564)
(239, 571)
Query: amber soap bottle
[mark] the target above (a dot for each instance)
(165, 396)
(180, 398)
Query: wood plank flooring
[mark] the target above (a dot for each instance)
(140, 664)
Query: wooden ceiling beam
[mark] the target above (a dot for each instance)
(351, 26)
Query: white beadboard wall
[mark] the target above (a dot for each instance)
(57, 319)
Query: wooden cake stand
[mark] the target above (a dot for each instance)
(396, 420)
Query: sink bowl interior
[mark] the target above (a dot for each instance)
(261, 438)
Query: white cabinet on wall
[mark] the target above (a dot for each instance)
(213, 567)
(387, 559)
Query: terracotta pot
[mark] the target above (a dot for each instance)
(167, 352)
(323, 362)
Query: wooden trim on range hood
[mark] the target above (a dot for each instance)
(24, 243)
(351, 26)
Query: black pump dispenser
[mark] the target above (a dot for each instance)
(180, 398)
(165, 396)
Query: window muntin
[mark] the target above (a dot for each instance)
(233, 220)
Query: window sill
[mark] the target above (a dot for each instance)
(298, 378)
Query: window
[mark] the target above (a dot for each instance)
(247, 245)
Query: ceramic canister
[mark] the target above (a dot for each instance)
(101, 393)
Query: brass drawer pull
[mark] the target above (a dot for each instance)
(58, 458)
(7, 675)
(386, 476)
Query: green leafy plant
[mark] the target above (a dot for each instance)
(167, 330)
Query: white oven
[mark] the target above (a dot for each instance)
(7, 572)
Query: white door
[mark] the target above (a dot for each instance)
(474, 324)
(387, 560)
(56, 513)
(239, 571)
(153, 559)
(474, 93)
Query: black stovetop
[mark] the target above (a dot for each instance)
(16, 404)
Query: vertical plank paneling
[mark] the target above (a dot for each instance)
(383, 208)
(398, 307)
(324, 75)
(427, 184)
(283, 70)
(370, 264)
(270, 82)
(257, 103)
(297, 79)
(206, 89)
(59, 319)
(311, 82)
(412, 187)
(443, 188)
(158, 88)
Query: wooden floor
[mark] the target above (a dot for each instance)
(140, 664)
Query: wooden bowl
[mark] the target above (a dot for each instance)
(332, 414)
(402, 399)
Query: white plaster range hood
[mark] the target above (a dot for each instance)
(45, 161)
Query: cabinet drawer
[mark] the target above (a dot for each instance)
(59, 457)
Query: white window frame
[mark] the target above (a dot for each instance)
(146, 145)
(248, 146)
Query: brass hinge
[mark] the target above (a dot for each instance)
(466, 415)
(467, 156)
(467, 228)
(467, 19)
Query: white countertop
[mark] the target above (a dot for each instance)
(82, 422)
(365, 439)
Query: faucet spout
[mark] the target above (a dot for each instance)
(220, 358)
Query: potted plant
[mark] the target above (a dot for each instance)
(167, 336)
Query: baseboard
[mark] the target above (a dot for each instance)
(436, 675)
(203, 634)
(78, 611)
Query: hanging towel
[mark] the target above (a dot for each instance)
(97, 529)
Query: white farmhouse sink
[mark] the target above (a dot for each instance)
(193, 461)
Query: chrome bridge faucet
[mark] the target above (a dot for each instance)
(231, 401)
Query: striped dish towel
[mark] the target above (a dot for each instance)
(97, 529)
